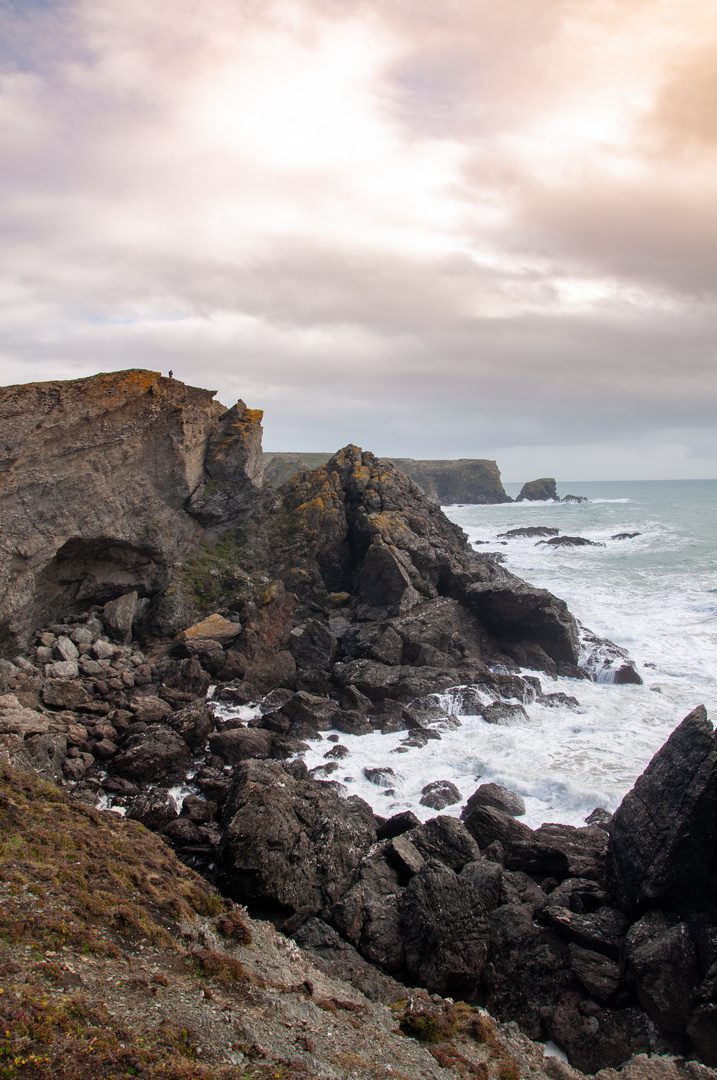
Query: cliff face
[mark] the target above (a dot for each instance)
(466, 480)
(106, 483)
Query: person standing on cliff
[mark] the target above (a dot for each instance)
(171, 374)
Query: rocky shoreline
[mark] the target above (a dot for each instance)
(138, 631)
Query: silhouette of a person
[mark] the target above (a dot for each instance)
(171, 374)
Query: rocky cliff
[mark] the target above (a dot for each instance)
(107, 483)
(465, 480)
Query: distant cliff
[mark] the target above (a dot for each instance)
(465, 480)
(106, 484)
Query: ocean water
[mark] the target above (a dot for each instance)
(654, 595)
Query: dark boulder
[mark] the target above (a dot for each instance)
(662, 835)
(313, 646)
(439, 794)
(569, 541)
(289, 843)
(446, 840)
(560, 851)
(340, 960)
(194, 723)
(319, 713)
(396, 825)
(154, 809)
(596, 1038)
(152, 752)
(600, 975)
(528, 532)
(663, 969)
(487, 878)
(486, 824)
(444, 930)
(497, 796)
(240, 744)
(514, 612)
(369, 913)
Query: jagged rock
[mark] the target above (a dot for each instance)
(486, 824)
(444, 930)
(504, 714)
(369, 914)
(487, 878)
(313, 646)
(600, 1039)
(497, 796)
(152, 752)
(103, 650)
(543, 490)
(25, 722)
(198, 810)
(63, 669)
(625, 536)
(45, 755)
(445, 839)
(190, 677)
(601, 931)
(382, 776)
(65, 649)
(318, 713)
(439, 794)
(574, 499)
(240, 744)
(528, 968)
(599, 974)
(289, 842)
(208, 652)
(513, 612)
(397, 825)
(339, 960)
(194, 723)
(150, 709)
(384, 583)
(662, 835)
(65, 694)
(118, 616)
(663, 968)
(404, 856)
(560, 851)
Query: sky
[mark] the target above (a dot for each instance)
(436, 230)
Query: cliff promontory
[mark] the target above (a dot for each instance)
(106, 483)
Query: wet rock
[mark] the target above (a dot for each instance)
(662, 835)
(152, 752)
(625, 535)
(382, 776)
(439, 794)
(198, 810)
(338, 752)
(569, 541)
(558, 701)
(319, 713)
(290, 842)
(560, 851)
(574, 499)
(504, 714)
(627, 675)
(445, 932)
(497, 796)
(514, 612)
(600, 817)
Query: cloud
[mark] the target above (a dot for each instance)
(436, 230)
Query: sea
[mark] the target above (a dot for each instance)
(653, 594)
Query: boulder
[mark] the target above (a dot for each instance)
(528, 532)
(65, 694)
(444, 930)
(319, 713)
(313, 646)
(340, 960)
(497, 796)
(118, 616)
(153, 752)
(600, 975)
(504, 714)
(446, 840)
(597, 1038)
(369, 914)
(150, 709)
(214, 627)
(439, 794)
(662, 836)
(45, 755)
(486, 824)
(560, 851)
(397, 825)
(290, 843)
(487, 878)
(664, 971)
(25, 722)
(569, 541)
(65, 649)
(240, 744)
(194, 723)
(154, 809)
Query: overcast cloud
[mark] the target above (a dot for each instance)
(436, 230)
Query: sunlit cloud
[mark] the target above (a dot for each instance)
(434, 230)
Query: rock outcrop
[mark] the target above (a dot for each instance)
(543, 490)
(464, 480)
(106, 485)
